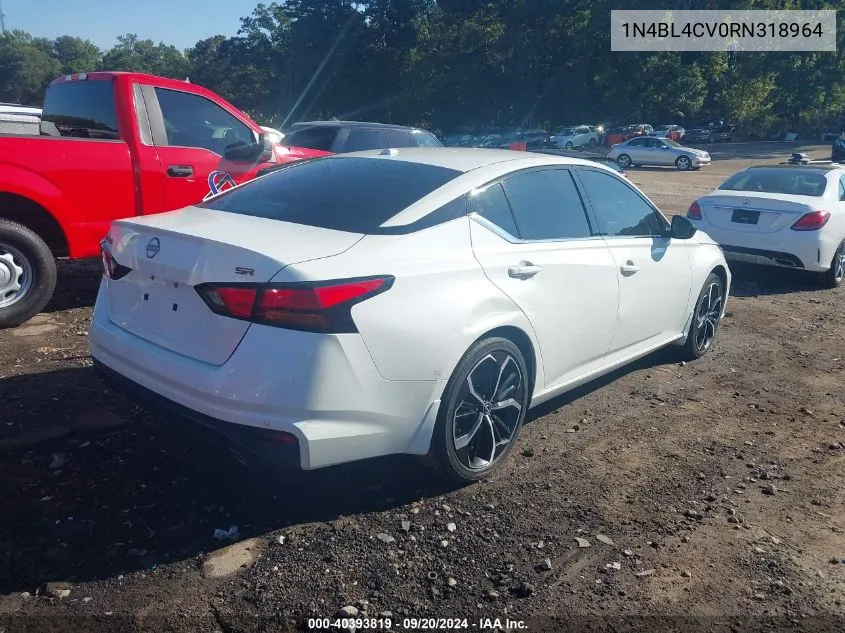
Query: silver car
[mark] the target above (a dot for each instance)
(646, 150)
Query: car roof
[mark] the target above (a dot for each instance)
(465, 159)
(820, 168)
(389, 126)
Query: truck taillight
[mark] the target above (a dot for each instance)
(111, 267)
(323, 307)
(812, 221)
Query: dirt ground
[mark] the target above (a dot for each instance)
(710, 493)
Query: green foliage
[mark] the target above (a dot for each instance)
(455, 64)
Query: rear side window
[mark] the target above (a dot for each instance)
(317, 138)
(83, 109)
(547, 206)
(356, 195)
(399, 138)
(360, 140)
(425, 139)
(492, 205)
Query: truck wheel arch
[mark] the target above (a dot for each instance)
(36, 218)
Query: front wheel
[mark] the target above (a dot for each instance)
(482, 410)
(705, 318)
(683, 163)
(27, 273)
(624, 161)
(568, 145)
(836, 273)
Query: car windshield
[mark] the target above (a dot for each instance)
(671, 143)
(796, 182)
(663, 128)
(356, 195)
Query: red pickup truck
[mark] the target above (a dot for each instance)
(113, 145)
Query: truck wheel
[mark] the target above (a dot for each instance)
(27, 273)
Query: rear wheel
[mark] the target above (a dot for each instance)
(624, 161)
(482, 410)
(705, 318)
(569, 145)
(836, 273)
(27, 273)
(592, 143)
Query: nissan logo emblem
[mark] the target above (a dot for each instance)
(153, 247)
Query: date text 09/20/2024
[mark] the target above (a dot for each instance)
(416, 624)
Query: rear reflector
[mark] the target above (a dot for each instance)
(694, 211)
(812, 221)
(324, 307)
(112, 269)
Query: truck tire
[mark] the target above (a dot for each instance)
(27, 273)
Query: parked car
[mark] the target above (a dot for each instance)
(790, 216)
(709, 131)
(572, 137)
(837, 151)
(456, 296)
(658, 151)
(338, 137)
(672, 132)
(112, 145)
(607, 162)
(622, 133)
(458, 140)
(533, 139)
(489, 141)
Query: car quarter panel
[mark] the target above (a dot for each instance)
(434, 270)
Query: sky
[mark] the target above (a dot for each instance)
(178, 22)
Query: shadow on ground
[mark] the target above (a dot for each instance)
(143, 490)
(754, 281)
(77, 284)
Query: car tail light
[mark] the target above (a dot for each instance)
(812, 221)
(694, 211)
(324, 307)
(111, 267)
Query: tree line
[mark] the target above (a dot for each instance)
(461, 64)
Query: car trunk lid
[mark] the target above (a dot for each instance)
(756, 213)
(169, 254)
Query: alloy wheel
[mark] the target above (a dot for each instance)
(839, 263)
(624, 161)
(489, 410)
(15, 275)
(707, 317)
(683, 163)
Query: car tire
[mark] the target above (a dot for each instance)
(472, 438)
(569, 145)
(25, 259)
(624, 161)
(683, 163)
(705, 318)
(836, 273)
(592, 143)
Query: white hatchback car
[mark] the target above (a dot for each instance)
(413, 301)
(791, 216)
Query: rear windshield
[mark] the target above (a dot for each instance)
(796, 182)
(356, 195)
(83, 108)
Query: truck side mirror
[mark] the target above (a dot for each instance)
(258, 152)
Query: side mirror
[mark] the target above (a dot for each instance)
(682, 228)
(259, 152)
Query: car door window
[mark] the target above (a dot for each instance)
(359, 140)
(546, 205)
(492, 205)
(842, 188)
(399, 138)
(656, 143)
(637, 142)
(194, 121)
(619, 209)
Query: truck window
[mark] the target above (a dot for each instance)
(318, 137)
(194, 121)
(82, 108)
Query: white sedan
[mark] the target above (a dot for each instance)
(791, 216)
(413, 301)
(647, 150)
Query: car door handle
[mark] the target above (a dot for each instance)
(525, 270)
(629, 268)
(180, 171)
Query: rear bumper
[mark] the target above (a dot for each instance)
(262, 445)
(324, 390)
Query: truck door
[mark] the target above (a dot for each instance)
(191, 134)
